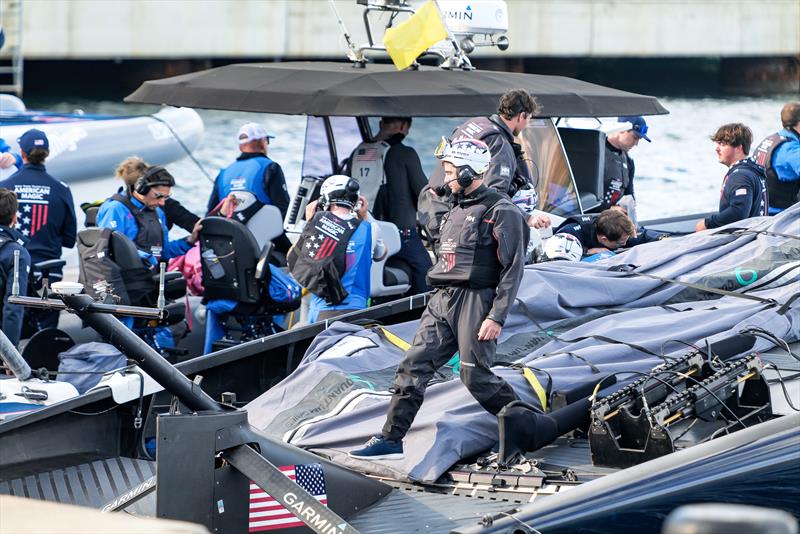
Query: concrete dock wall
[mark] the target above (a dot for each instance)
(194, 29)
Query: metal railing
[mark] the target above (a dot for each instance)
(11, 59)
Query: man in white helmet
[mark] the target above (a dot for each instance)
(333, 256)
(481, 261)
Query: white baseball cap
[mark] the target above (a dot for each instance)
(253, 131)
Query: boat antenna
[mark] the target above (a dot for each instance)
(353, 54)
(15, 283)
(161, 303)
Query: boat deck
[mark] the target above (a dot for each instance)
(419, 511)
(94, 484)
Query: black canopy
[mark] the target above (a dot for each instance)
(339, 89)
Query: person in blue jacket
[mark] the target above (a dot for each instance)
(138, 213)
(257, 173)
(46, 213)
(779, 154)
(10, 241)
(744, 188)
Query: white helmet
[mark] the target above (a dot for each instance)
(471, 153)
(338, 189)
(526, 200)
(562, 247)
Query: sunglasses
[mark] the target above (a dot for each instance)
(444, 142)
(159, 196)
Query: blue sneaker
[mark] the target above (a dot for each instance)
(379, 448)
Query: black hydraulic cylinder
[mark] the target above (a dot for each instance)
(135, 348)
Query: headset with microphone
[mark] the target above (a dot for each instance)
(464, 177)
(470, 157)
(151, 178)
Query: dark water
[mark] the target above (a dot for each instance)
(677, 173)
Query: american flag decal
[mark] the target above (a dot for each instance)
(38, 217)
(449, 261)
(268, 514)
(326, 248)
(31, 217)
(366, 154)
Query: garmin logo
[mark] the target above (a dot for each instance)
(459, 15)
(129, 495)
(311, 517)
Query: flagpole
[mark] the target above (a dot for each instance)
(352, 53)
(463, 60)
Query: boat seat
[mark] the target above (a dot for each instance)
(231, 258)
(236, 278)
(229, 246)
(388, 279)
(586, 153)
(126, 255)
(90, 210)
(139, 282)
(48, 265)
(176, 312)
(266, 224)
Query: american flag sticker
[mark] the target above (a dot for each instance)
(268, 514)
(31, 217)
(740, 192)
(38, 217)
(366, 154)
(448, 261)
(326, 248)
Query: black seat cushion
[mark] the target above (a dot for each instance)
(235, 253)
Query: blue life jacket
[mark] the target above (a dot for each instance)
(356, 278)
(245, 175)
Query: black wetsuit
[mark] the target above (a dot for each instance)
(584, 228)
(405, 180)
(178, 215)
(618, 176)
(476, 278)
(507, 172)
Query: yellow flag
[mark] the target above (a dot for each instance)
(406, 41)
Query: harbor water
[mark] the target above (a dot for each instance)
(678, 173)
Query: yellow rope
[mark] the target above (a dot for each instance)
(537, 387)
(395, 340)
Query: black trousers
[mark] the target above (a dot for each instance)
(449, 323)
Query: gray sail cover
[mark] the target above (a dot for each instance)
(337, 398)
